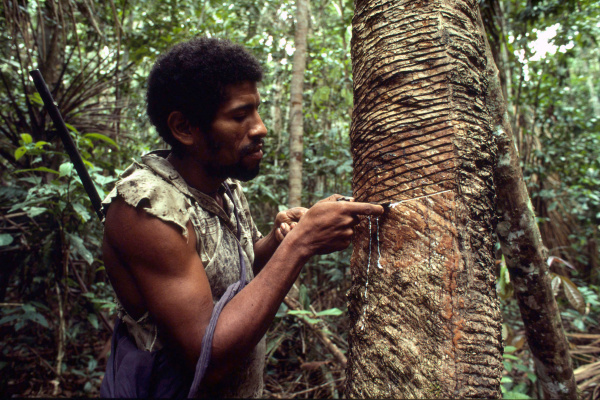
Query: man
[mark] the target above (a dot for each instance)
(178, 229)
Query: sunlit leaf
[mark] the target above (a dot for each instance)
(331, 311)
(71, 128)
(40, 144)
(299, 312)
(26, 137)
(509, 349)
(99, 136)
(20, 152)
(36, 98)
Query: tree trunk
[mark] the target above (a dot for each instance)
(526, 256)
(296, 118)
(423, 306)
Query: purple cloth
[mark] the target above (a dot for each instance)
(131, 372)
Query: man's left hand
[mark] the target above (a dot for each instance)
(287, 220)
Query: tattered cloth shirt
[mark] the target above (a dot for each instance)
(141, 363)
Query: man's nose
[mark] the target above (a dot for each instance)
(259, 129)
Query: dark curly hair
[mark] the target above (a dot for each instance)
(191, 78)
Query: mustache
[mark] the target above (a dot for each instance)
(252, 147)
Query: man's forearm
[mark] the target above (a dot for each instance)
(263, 251)
(248, 315)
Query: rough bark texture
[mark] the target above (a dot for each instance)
(427, 323)
(526, 256)
(296, 118)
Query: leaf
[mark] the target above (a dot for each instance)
(519, 341)
(65, 169)
(5, 239)
(510, 356)
(80, 248)
(311, 320)
(298, 312)
(71, 127)
(33, 212)
(39, 318)
(26, 137)
(332, 311)
(20, 152)
(510, 349)
(9, 318)
(40, 169)
(551, 259)
(36, 98)
(40, 144)
(101, 137)
(555, 283)
(303, 297)
(573, 294)
(82, 211)
(93, 320)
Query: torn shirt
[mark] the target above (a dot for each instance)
(157, 187)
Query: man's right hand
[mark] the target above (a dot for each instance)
(328, 225)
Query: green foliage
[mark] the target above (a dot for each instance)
(552, 92)
(51, 239)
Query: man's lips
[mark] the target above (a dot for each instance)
(254, 153)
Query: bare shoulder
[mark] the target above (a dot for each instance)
(138, 237)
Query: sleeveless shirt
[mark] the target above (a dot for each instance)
(156, 186)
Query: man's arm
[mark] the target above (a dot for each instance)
(172, 284)
(265, 247)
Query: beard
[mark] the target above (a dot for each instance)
(237, 170)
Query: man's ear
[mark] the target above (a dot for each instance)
(181, 128)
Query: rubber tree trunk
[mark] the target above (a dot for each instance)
(526, 256)
(425, 319)
(296, 117)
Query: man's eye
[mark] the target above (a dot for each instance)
(239, 118)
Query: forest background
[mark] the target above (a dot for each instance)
(56, 305)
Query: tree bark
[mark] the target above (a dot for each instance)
(526, 256)
(296, 117)
(424, 312)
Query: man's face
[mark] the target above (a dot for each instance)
(235, 139)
